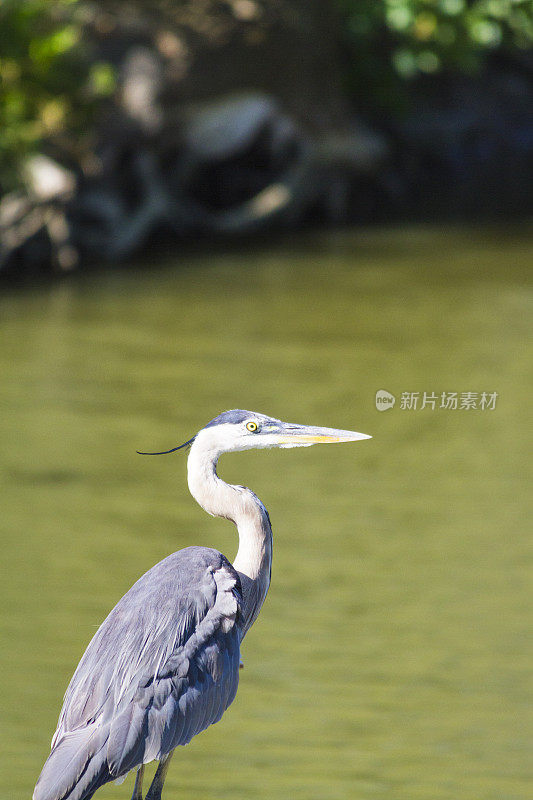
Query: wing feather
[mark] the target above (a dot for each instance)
(125, 746)
(162, 667)
(75, 766)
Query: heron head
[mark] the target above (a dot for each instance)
(237, 430)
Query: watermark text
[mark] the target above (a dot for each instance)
(437, 401)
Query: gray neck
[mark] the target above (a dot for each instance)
(240, 505)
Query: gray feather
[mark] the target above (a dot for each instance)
(76, 766)
(162, 667)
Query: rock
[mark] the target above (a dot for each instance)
(48, 180)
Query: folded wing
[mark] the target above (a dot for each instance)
(162, 667)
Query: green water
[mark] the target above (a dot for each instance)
(390, 660)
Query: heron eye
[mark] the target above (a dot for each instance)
(251, 426)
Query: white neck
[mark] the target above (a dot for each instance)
(241, 506)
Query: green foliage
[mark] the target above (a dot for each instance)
(50, 86)
(47, 84)
(392, 41)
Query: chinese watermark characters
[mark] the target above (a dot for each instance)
(447, 401)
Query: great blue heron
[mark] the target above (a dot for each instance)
(164, 665)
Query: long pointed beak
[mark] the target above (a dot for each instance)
(305, 435)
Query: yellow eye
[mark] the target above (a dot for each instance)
(251, 426)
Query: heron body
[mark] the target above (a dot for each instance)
(164, 665)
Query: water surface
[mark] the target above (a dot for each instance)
(390, 660)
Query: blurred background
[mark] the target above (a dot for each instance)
(290, 207)
(130, 124)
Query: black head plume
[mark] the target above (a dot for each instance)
(165, 452)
